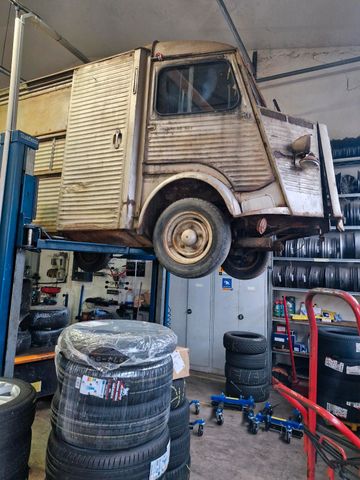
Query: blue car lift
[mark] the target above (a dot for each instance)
(293, 427)
(18, 234)
(220, 402)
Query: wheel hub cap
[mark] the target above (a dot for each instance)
(188, 237)
(8, 392)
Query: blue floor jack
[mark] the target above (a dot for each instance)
(222, 401)
(293, 427)
(199, 422)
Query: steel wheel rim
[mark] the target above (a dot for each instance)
(8, 392)
(188, 237)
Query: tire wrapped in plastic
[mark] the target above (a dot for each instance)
(110, 344)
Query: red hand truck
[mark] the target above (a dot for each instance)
(308, 406)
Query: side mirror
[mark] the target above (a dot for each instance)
(301, 146)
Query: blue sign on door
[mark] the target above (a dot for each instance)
(226, 283)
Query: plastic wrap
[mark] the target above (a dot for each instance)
(112, 344)
(113, 410)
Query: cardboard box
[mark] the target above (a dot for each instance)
(181, 363)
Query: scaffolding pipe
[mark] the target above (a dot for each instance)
(236, 34)
(315, 68)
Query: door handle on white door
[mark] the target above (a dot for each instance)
(189, 311)
(117, 137)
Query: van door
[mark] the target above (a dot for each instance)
(200, 116)
(101, 152)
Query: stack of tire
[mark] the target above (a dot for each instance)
(339, 372)
(46, 322)
(179, 462)
(17, 411)
(247, 365)
(111, 411)
(23, 342)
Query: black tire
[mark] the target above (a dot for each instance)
(178, 393)
(179, 450)
(180, 473)
(339, 398)
(179, 420)
(48, 317)
(92, 262)
(45, 338)
(66, 462)
(246, 377)
(206, 217)
(26, 296)
(339, 368)
(17, 415)
(260, 393)
(245, 342)
(15, 466)
(23, 341)
(111, 428)
(251, 362)
(144, 383)
(245, 264)
(341, 342)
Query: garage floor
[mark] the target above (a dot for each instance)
(224, 452)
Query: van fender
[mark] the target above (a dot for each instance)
(227, 195)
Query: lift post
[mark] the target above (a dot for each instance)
(18, 209)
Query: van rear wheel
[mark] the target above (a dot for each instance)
(192, 238)
(245, 264)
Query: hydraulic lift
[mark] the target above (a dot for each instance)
(18, 234)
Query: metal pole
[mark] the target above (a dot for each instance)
(316, 68)
(236, 34)
(13, 100)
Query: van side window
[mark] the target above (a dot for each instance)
(197, 88)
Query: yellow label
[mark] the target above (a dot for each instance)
(37, 385)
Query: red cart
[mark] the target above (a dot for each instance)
(308, 406)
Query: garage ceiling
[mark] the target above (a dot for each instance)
(100, 28)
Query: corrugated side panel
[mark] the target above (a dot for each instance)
(93, 169)
(227, 142)
(49, 158)
(303, 187)
(48, 201)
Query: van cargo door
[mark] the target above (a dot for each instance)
(99, 151)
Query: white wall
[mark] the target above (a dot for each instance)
(331, 96)
(96, 288)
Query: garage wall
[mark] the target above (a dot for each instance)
(331, 96)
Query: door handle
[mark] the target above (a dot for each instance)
(189, 311)
(241, 316)
(117, 138)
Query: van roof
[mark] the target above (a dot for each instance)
(188, 47)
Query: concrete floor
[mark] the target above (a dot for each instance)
(224, 452)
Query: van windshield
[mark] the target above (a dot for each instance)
(197, 88)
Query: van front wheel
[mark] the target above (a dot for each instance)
(192, 238)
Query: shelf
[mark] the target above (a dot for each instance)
(286, 352)
(348, 228)
(349, 195)
(317, 260)
(305, 290)
(342, 162)
(319, 324)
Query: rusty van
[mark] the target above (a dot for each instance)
(172, 146)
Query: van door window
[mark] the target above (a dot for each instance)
(197, 88)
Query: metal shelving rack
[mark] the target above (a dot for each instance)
(338, 164)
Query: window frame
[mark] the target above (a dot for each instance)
(202, 62)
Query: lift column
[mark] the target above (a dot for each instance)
(18, 209)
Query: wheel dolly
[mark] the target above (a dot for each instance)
(293, 427)
(222, 401)
(199, 422)
(309, 409)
